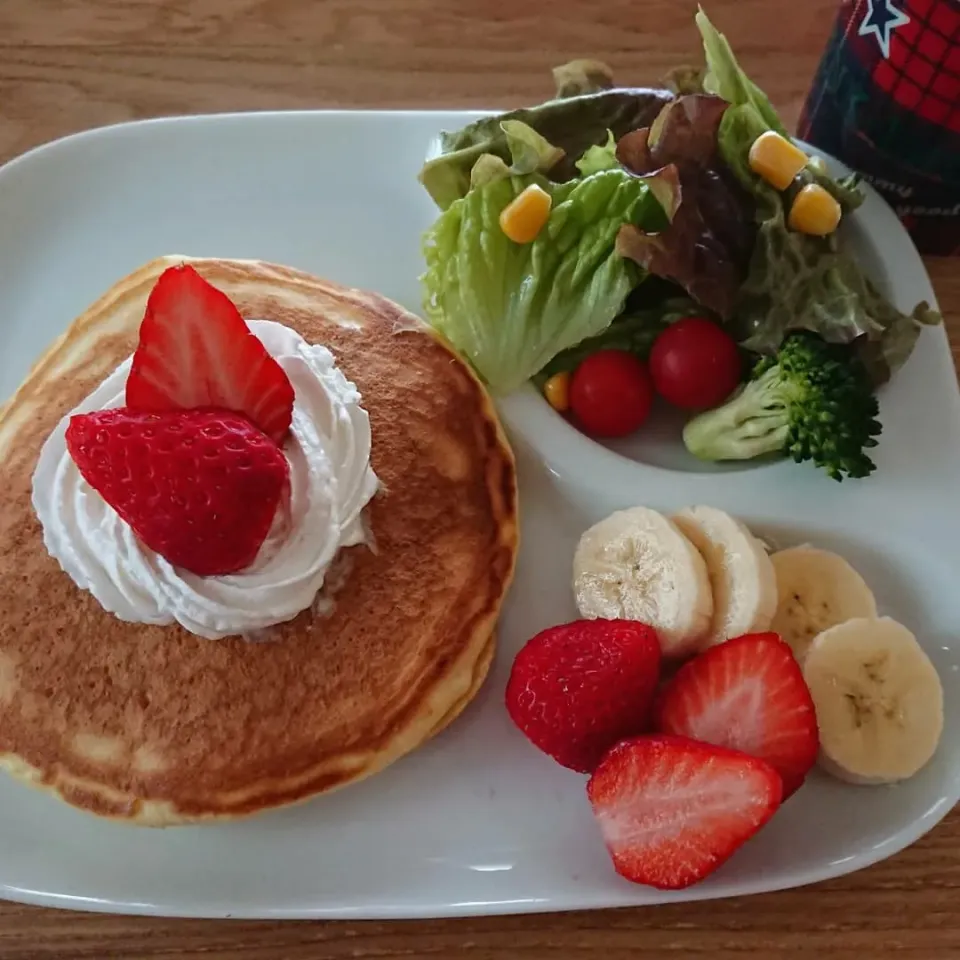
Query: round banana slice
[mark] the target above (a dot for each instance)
(878, 700)
(816, 590)
(637, 565)
(742, 579)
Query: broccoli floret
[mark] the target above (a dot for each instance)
(812, 401)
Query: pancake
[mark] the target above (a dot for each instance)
(157, 726)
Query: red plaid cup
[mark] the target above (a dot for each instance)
(886, 101)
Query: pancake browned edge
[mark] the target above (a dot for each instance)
(156, 726)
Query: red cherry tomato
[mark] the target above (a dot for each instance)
(610, 394)
(694, 364)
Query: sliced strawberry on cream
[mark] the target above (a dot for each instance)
(196, 350)
(200, 487)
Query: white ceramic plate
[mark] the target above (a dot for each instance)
(476, 821)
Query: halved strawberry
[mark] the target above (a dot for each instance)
(578, 688)
(195, 350)
(672, 810)
(199, 487)
(746, 694)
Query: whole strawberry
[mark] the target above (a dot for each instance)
(576, 689)
(199, 487)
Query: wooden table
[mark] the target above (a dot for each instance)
(70, 64)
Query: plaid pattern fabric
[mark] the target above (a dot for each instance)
(886, 100)
(922, 72)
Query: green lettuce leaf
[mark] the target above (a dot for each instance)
(739, 127)
(799, 282)
(510, 308)
(597, 158)
(725, 78)
(886, 354)
(529, 153)
(572, 124)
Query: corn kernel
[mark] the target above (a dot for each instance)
(776, 159)
(814, 211)
(557, 391)
(524, 217)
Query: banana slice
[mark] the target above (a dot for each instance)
(637, 565)
(816, 590)
(878, 699)
(741, 575)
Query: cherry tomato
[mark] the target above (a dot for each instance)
(610, 393)
(694, 364)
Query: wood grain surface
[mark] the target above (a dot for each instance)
(67, 65)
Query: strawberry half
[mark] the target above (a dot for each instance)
(576, 689)
(199, 487)
(746, 694)
(672, 810)
(195, 350)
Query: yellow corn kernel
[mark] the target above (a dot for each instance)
(557, 391)
(814, 211)
(523, 218)
(776, 159)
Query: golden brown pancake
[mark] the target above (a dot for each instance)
(158, 726)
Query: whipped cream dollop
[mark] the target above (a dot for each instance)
(331, 481)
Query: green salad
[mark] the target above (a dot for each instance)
(617, 243)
